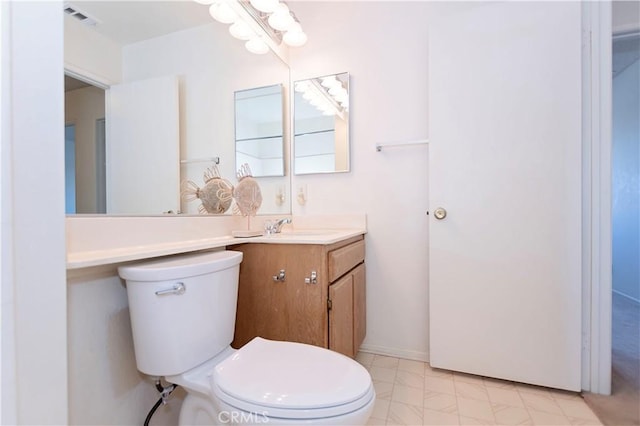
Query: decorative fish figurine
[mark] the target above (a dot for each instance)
(216, 194)
(247, 192)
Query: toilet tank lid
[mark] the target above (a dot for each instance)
(181, 266)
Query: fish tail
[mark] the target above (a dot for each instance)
(189, 191)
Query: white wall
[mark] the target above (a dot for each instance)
(105, 387)
(383, 45)
(626, 182)
(34, 361)
(82, 108)
(8, 404)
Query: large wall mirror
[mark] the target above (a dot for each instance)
(260, 130)
(321, 125)
(177, 49)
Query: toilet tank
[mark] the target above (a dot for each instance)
(182, 308)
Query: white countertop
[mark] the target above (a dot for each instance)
(84, 259)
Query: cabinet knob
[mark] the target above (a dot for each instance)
(313, 279)
(280, 277)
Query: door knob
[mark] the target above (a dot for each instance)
(440, 213)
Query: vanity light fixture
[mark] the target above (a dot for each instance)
(262, 24)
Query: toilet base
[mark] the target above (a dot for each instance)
(198, 410)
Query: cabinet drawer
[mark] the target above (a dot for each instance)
(344, 259)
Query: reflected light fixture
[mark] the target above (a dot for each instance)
(221, 12)
(263, 24)
(318, 92)
(255, 45)
(266, 6)
(241, 30)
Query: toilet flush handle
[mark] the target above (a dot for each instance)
(178, 289)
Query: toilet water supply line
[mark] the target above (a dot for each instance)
(165, 391)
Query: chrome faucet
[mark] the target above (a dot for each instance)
(276, 226)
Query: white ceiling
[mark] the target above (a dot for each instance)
(128, 22)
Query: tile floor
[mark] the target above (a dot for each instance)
(412, 393)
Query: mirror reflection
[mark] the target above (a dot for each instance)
(85, 135)
(136, 42)
(259, 130)
(321, 124)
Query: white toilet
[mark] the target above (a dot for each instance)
(183, 311)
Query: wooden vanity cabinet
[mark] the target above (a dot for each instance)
(328, 311)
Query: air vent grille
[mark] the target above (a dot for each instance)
(83, 17)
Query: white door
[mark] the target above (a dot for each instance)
(143, 147)
(505, 163)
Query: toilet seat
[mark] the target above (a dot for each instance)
(291, 381)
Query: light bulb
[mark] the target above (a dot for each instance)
(330, 81)
(281, 18)
(337, 91)
(222, 12)
(266, 6)
(257, 46)
(241, 30)
(341, 97)
(325, 108)
(295, 38)
(301, 86)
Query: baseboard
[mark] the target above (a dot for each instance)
(626, 296)
(395, 352)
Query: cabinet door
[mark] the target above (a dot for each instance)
(288, 310)
(359, 307)
(305, 306)
(341, 316)
(261, 300)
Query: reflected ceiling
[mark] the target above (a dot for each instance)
(127, 22)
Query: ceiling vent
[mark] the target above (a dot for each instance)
(73, 11)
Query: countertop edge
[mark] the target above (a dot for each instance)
(125, 254)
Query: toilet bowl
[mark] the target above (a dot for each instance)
(182, 316)
(278, 383)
